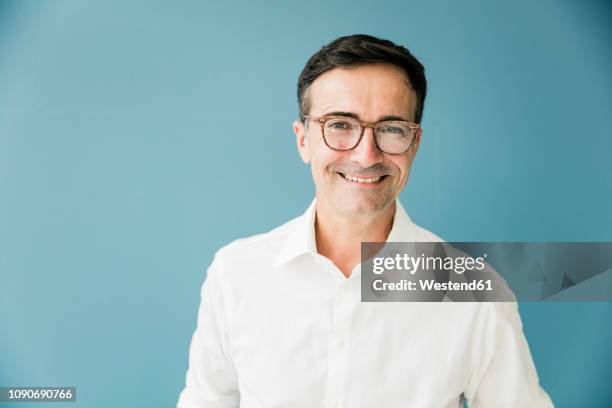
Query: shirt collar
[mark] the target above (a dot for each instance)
(301, 239)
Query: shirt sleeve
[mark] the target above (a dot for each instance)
(506, 376)
(211, 380)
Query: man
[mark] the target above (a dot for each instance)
(281, 323)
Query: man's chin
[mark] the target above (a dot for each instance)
(360, 206)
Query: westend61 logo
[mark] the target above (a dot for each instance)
(485, 271)
(427, 282)
(424, 272)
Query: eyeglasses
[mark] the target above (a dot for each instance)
(344, 133)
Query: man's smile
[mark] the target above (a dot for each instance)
(362, 180)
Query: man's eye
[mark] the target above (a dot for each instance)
(392, 129)
(339, 125)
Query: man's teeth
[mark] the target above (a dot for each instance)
(361, 180)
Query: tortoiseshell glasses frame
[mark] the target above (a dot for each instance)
(357, 129)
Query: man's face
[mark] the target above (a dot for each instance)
(372, 93)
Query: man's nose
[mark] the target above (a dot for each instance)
(366, 153)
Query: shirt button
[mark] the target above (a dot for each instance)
(338, 404)
(340, 345)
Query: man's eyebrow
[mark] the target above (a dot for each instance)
(355, 116)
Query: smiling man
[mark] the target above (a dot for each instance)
(281, 322)
(358, 173)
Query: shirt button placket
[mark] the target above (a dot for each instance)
(338, 354)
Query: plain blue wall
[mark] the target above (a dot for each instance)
(135, 140)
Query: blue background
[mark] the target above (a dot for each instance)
(135, 140)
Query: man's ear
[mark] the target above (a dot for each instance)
(302, 142)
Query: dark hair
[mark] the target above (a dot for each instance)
(360, 49)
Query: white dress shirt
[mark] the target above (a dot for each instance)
(280, 326)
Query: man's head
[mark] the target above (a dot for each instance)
(368, 79)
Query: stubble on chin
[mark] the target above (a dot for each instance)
(356, 204)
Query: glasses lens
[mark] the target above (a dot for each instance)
(341, 133)
(394, 137)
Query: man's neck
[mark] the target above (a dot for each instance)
(339, 236)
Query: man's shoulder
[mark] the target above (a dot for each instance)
(423, 235)
(259, 245)
(246, 263)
